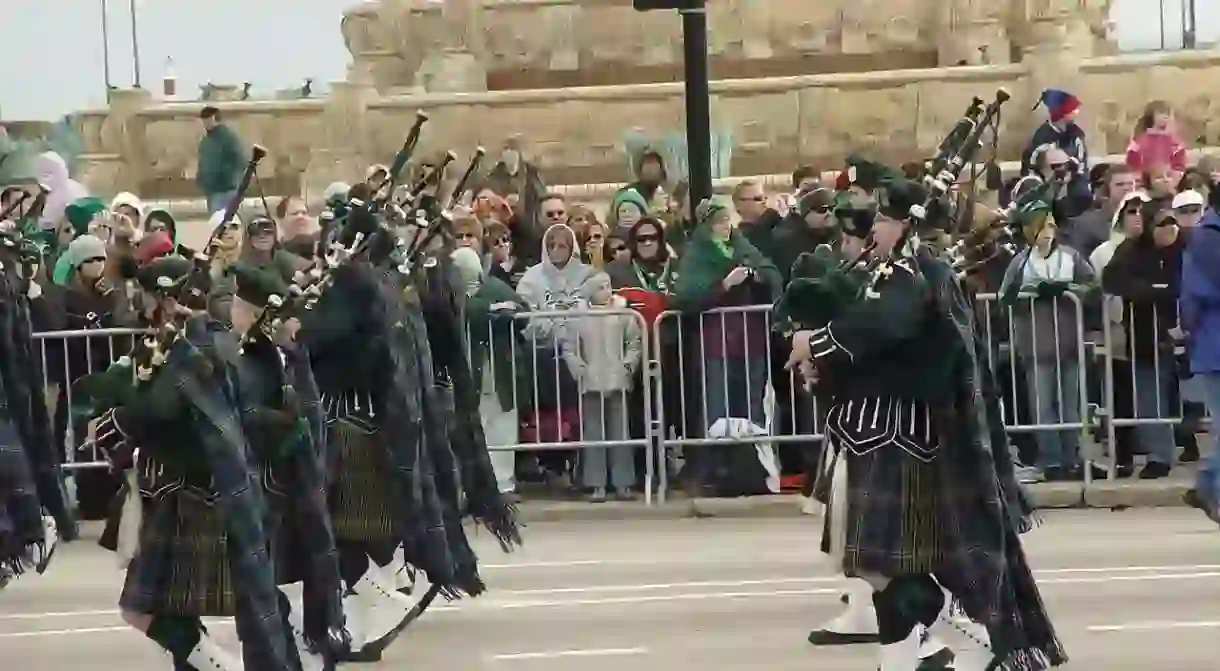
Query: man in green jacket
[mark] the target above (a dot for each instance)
(221, 161)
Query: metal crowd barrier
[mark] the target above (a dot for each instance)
(601, 384)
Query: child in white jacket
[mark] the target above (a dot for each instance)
(603, 353)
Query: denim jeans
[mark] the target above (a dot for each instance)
(1153, 393)
(603, 418)
(1209, 475)
(219, 201)
(1054, 396)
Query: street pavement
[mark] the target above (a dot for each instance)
(1129, 590)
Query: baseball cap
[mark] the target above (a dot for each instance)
(1188, 198)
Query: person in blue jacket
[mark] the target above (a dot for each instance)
(1200, 317)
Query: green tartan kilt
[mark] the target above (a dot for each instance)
(182, 565)
(361, 500)
(894, 513)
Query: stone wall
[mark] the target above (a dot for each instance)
(577, 135)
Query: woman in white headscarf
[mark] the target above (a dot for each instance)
(53, 174)
(494, 336)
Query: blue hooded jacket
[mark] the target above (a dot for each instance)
(1200, 298)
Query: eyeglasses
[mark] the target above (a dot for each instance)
(647, 239)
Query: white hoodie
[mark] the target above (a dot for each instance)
(546, 287)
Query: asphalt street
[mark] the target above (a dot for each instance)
(1129, 590)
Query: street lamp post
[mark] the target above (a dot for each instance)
(1190, 27)
(135, 43)
(106, 49)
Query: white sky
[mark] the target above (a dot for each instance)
(51, 50)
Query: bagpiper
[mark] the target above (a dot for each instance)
(927, 522)
(32, 498)
(202, 535)
(285, 430)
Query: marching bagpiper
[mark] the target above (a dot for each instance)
(927, 520)
(203, 543)
(32, 498)
(284, 427)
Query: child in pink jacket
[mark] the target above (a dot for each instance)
(1156, 140)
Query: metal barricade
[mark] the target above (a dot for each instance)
(726, 371)
(575, 379)
(1142, 384)
(1037, 351)
(67, 356)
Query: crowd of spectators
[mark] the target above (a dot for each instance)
(598, 283)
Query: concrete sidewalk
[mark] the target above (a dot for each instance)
(1118, 495)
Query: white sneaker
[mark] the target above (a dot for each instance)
(310, 661)
(903, 655)
(209, 656)
(374, 611)
(857, 624)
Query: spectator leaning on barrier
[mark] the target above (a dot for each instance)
(603, 352)
(1046, 337)
(721, 269)
(221, 160)
(494, 348)
(1146, 273)
(1200, 306)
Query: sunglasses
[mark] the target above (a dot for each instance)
(647, 239)
(820, 209)
(596, 236)
(502, 242)
(555, 214)
(1132, 210)
(615, 249)
(1058, 166)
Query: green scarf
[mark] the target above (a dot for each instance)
(707, 261)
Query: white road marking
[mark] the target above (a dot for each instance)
(1155, 626)
(495, 602)
(560, 654)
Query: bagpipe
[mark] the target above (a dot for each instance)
(23, 241)
(120, 383)
(823, 285)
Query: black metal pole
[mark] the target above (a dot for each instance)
(698, 101)
(1190, 34)
(106, 49)
(135, 44)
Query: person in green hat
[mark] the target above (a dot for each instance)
(203, 542)
(285, 433)
(626, 208)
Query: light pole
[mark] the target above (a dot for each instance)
(135, 43)
(1190, 28)
(106, 49)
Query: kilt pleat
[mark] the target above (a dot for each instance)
(182, 567)
(894, 514)
(361, 500)
(286, 549)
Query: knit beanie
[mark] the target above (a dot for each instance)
(83, 248)
(82, 211)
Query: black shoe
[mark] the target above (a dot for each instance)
(1126, 470)
(1154, 471)
(822, 637)
(1190, 454)
(941, 659)
(1055, 474)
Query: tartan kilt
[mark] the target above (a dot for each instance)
(182, 566)
(361, 495)
(288, 554)
(895, 513)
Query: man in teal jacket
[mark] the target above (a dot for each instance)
(221, 161)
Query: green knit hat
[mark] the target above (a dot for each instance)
(82, 211)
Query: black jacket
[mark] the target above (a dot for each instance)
(1148, 279)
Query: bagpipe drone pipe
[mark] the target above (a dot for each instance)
(822, 285)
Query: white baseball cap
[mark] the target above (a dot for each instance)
(1188, 198)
